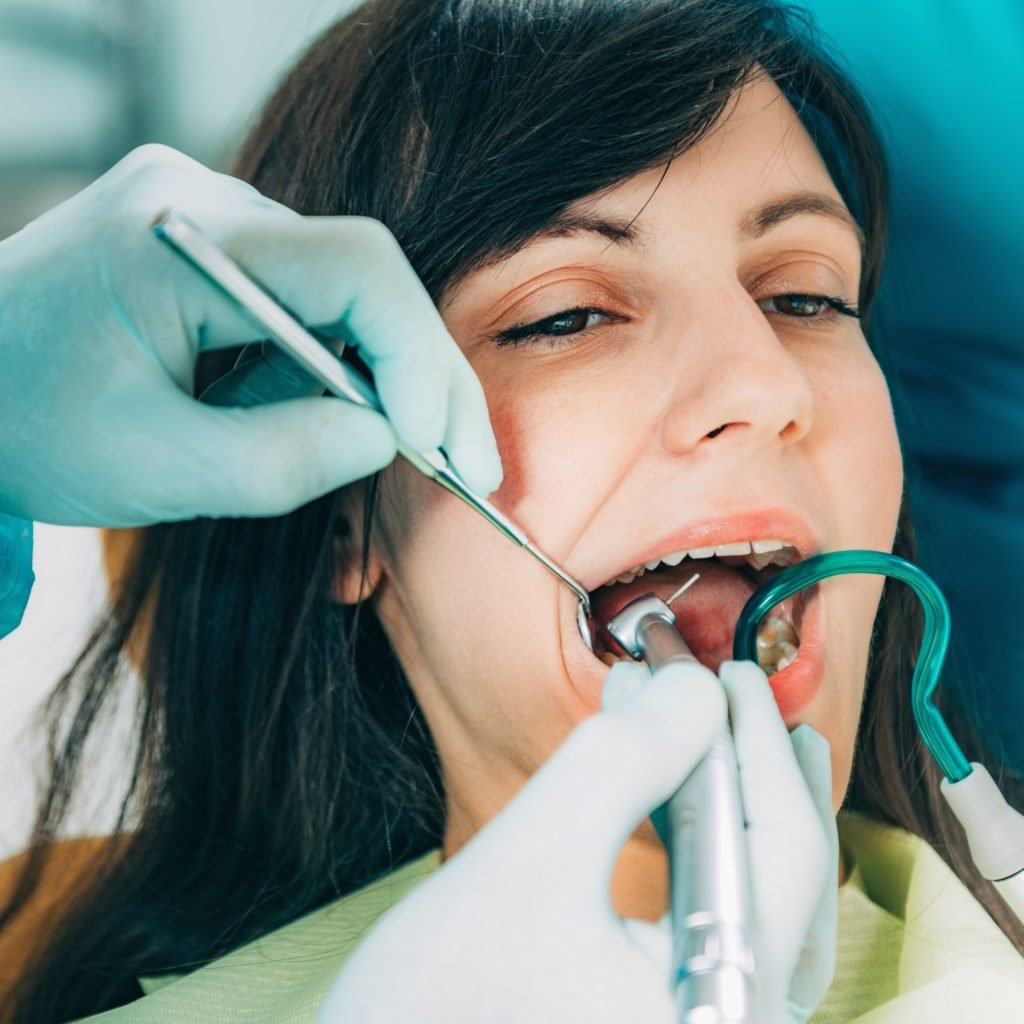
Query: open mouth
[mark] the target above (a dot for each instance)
(707, 612)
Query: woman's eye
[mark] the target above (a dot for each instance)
(578, 322)
(569, 323)
(808, 307)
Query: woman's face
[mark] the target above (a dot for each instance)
(698, 404)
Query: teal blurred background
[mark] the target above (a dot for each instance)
(84, 81)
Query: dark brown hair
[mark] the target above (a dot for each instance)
(280, 758)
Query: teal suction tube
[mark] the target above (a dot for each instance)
(934, 642)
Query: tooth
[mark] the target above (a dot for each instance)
(626, 577)
(759, 547)
(739, 548)
(637, 569)
(785, 662)
(775, 629)
(789, 650)
(778, 629)
(675, 558)
(653, 563)
(701, 552)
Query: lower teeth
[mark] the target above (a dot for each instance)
(777, 645)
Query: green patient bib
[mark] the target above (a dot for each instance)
(914, 946)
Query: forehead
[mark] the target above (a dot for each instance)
(756, 168)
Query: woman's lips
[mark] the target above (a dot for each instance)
(797, 684)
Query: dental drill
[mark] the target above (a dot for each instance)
(712, 959)
(342, 380)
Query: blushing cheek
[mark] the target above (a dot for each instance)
(507, 420)
(546, 454)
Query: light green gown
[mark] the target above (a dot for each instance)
(914, 946)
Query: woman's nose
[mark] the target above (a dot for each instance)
(736, 383)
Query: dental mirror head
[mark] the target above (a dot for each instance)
(583, 624)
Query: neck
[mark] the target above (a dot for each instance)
(639, 886)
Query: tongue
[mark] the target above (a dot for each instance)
(705, 615)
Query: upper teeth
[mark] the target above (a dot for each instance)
(757, 553)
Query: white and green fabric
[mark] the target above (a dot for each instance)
(914, 946)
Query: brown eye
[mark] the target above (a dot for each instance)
(570, 322)
(801, 305)
(808, 307)
(567, 323)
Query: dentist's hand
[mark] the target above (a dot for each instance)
(100, 328)
(519, 927)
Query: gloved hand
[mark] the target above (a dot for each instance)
(518, 926)
(16, 574)
(102, 323)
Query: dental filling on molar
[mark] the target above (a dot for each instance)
(777, 644)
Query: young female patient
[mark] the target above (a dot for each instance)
(655, 230)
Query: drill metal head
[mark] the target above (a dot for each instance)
(624, 628)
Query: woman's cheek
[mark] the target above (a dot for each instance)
(514, 446)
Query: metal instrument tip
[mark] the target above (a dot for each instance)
(682, 590)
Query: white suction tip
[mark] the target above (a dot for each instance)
(995, 832)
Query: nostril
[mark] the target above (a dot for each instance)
(791, 431)
(716, 431)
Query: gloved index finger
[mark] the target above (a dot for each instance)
(401, 337)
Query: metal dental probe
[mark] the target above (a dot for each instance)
(712, 960)
(189, 241)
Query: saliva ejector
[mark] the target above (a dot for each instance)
(995, 831)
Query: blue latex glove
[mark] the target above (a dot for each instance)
(102, 324)
(16, 575)
(519, 926)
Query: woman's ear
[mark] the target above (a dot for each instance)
(351, 585)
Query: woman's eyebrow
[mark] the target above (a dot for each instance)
(762, 219)
(568, 223)
(621, 232)
(629, 234)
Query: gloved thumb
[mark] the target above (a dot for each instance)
(614, 768)
(270, 459)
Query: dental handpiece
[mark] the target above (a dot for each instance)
(712, 960)
(190, 242)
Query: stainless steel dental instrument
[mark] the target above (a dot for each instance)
(185, 238)
(712, 959)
